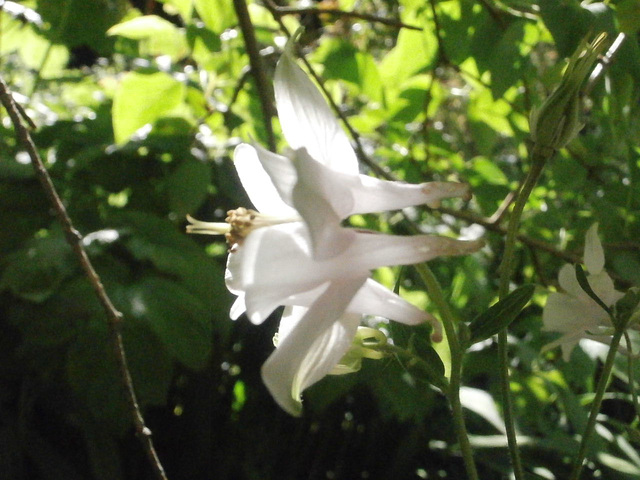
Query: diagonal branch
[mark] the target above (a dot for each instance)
(74, 239)
(336, 12)
(257, 69)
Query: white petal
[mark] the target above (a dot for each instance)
(593, 252)
(291, 316)
(281, 172)
(313, 346)
(568, 281)
(323, 199)
(375, 299)
(374, 195)
(602, 286)
(257, 183)
(372, 250)
(371, 299)
(238, 307)
(307, 121)
(565, 313)
(275, 263)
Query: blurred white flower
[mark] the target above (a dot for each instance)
(574, 313)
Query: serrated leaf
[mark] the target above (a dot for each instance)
(500, 315)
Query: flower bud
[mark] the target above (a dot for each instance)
(557, 121)
(364, 345)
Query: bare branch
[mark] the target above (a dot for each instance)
(257, 69)
(336, 12)
(74, 239)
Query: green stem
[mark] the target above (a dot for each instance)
(539, 159)
(630, 373)
(597, 402)
(434, 291)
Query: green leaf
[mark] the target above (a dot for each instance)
(217, 15)
(432, 370)
(183, 7)
(93, 374)
(567, 21)
(35, 272)
(158, 36)
(500, 315)
(414, 51)
(141, 99)
(188, 186)
(143, 27)
(179, 319)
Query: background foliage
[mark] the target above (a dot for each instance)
(139, 105)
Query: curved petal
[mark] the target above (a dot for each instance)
(564, 313)
(323, 198)
(281, 172)
(603, 287)
(238, 307)
(372, 299)
(275, 263)
(266, 191)
(307, 121)
(375, 195)
(313, 346)
(568, 281)
(593, 252)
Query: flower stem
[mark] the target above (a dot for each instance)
(597, 402)
(539, 158)
(434, 291)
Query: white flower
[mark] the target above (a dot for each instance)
(296, 253)
(574, 314)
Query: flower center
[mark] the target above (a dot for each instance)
(237, 226)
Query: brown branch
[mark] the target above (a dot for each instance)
(336, 12)
(497, 228)
(74, 239)
(257, 69)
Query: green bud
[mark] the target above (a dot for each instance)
(364, 345)
(557, 121)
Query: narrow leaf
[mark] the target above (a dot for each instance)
(500, 315)
(584, 284)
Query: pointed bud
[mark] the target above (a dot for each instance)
(557, 121)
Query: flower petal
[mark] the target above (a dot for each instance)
(323, 198)
(372, 299)
(565, 313)
(568, 281)
(275, 263)
(593, 252)
(602, 286)
(269, 190)
(375, 195)
(307, 121)
(313, 346)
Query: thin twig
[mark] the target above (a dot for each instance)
(257, 70)
(74, 239)
(442, 54)
(336, 12)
